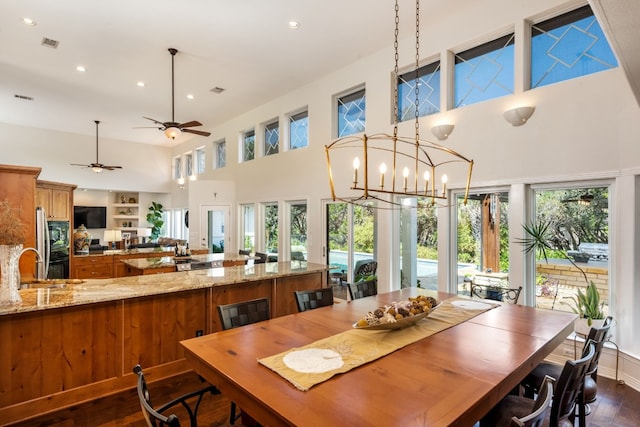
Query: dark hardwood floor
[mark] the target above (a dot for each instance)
(617, 405)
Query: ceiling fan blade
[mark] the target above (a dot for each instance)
(197, 132)
(154, 120)
(190, 124)
(146, 127)
(110, 168)
(78, 164)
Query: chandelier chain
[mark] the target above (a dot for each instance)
(417, 86)
(395, 72)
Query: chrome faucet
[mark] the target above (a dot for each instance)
(39, 260)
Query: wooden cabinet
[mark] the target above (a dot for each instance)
(18, 187)
(56, 199)
(93, 267)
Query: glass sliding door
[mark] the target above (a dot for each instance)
(212, 226)
(482, 240)
(578, 229)
(350, 236)
(418, 243)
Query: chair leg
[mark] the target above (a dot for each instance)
(232, 414)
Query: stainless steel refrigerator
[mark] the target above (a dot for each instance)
(52, 242)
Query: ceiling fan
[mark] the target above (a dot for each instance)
(173, 129)
(97, 167)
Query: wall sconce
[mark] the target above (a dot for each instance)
(442, 132)
(519, 116)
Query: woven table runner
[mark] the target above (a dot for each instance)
(314, 363)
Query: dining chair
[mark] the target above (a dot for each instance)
(314, 298)
(540, 407)
(243, 313)
(363, 288)
(261, 258)
(496, 293)
(154, 416)
(240, 314)
(567, 396)
(596, 335)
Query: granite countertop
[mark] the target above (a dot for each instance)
(111, 252)
(89, 291)
(168, 261)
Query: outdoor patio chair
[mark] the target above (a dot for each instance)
(496, 293)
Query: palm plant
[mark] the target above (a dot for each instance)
(538, 240)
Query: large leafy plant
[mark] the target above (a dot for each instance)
(538, 240)
(154, 217)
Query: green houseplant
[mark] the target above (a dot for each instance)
(154, 217)
(586, 304)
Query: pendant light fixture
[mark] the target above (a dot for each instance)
(406, 166)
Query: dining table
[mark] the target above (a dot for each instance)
(450, 378)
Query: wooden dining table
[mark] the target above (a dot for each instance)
(451, 378)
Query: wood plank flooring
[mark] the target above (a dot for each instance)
(617, 405)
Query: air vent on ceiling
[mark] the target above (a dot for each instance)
(217, 90)
(24, 97)
(50, 42)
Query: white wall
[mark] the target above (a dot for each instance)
(144, 167)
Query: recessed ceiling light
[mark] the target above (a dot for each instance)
(190, 96)
(29, 21)
(140, 84)
(294, 25)
(81, 68)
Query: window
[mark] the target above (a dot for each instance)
(484, 72)
(418, 243)
(351, 236)
(271, 138)
(201, 162)
(177, 167)
(299, 130)
(188, 164)
(270, 228)
(568, 46)
(350, 111)
(248, 145)
(221, 153)
(428, 92)
(482, 239)
(298, 231)
(248, 227)
(578, 229)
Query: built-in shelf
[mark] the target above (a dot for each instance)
(126, 211)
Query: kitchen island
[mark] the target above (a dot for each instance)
(78, 341)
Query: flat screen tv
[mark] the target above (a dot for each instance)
(90, 216)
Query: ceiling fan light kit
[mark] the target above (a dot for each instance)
(173, 129)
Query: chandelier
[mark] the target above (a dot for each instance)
(407, 166)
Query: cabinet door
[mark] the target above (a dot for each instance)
(59, 209)
(43, 200)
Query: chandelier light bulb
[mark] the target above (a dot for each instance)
(405, 175)
(426, 182)
(444, 184)
(356, 165)
(383, 170)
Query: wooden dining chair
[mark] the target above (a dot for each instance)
(241, 314)
(567, 397)
(496, 293)
(154, 416)
(313, 298)
(598, 336)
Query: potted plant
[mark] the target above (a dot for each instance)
(154, 217)
(587, 304)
